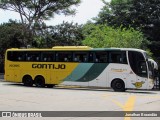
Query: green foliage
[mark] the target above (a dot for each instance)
(63, 34)
(32, 29)
(12, 35)
(114, 13)
(105, 36)
(139, 14)
(39, 42)
(33, 12)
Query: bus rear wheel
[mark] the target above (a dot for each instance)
(39, 81)
(118, 85)
(27, 81)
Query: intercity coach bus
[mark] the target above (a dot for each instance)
(117, 68)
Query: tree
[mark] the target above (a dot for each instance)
(36, 11)
(139, 14)
(62, 34)
(105, 36)
(12, 35)
(114, 13)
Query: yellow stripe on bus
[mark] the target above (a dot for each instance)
(53, 73)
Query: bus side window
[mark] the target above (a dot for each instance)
(124, 58)
(75, 59)
(33, 56)
(81, 57)
(115, 57)
(91, 57)
(37, 58)
(10, 55)
(19, 58)
(48, 56)
(45, 59)
(100, 57)
(118, 57)
(64, 56)
(28, 58)
(16, 56)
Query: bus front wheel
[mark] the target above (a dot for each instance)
(118, 85)
(39, 81)
(27, 81)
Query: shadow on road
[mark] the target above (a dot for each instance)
(59, 87)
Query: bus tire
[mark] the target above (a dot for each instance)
(27, 80)
(39, 81)
(118, 85)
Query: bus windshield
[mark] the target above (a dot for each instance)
(147, 55)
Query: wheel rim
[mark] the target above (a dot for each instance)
(28, 82)
(39, 82)
(119, 85)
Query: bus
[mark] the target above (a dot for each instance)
(117, 68)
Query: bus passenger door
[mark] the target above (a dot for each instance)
(142, 76)
(139, 69)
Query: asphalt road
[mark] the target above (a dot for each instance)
(16, 97)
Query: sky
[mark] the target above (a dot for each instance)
(84, 12)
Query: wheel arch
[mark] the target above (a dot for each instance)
(39, 76)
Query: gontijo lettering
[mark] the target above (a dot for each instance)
(49, 66)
